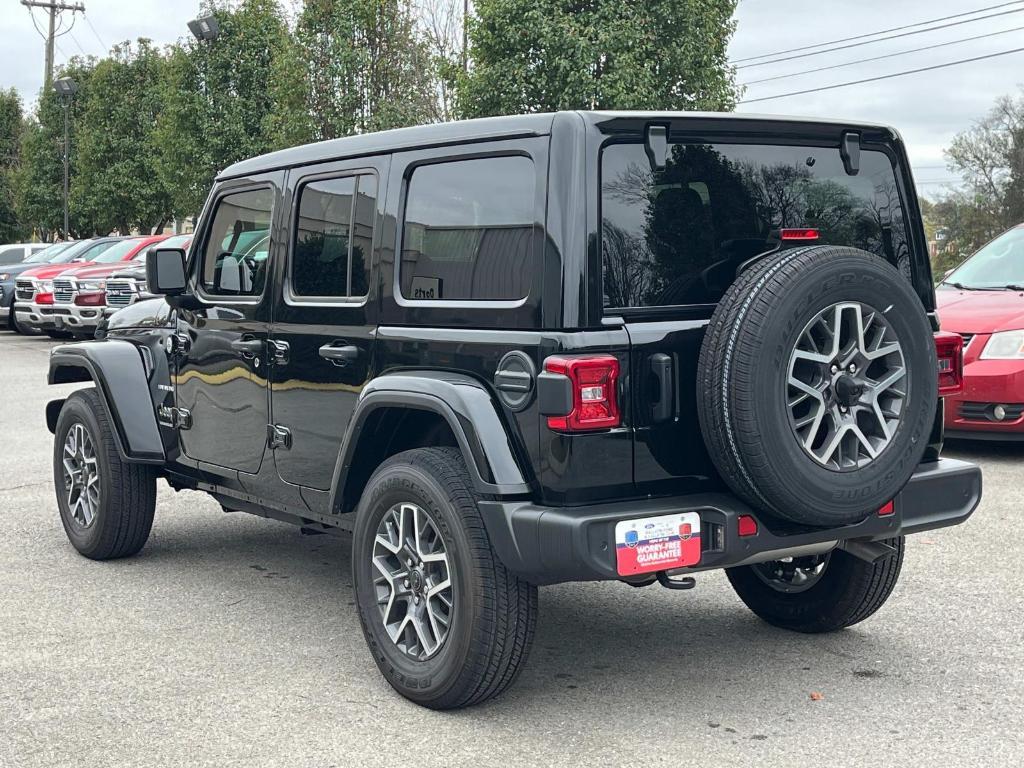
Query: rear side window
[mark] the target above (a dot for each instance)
(334, 237)
(238, 244)
(468, 231)
(677, 236)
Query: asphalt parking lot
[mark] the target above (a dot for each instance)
(233, 640)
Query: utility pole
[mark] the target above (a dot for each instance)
(53, 7)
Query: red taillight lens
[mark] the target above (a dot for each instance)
(594, 381)
(43, 298)
(746, 525)
(949, 348)
(800, 233)
(887, 509)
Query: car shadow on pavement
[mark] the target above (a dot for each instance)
(595, 640)
(980, 450)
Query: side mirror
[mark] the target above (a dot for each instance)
(165, 272)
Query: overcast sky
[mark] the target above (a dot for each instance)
(928, 108)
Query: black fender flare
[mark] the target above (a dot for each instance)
(119, 372)
(468, 408)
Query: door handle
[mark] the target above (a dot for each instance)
(339, 353)
(661, 367)
(247, 347)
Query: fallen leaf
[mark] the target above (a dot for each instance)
(816, 696)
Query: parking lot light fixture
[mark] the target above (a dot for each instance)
(66, 89)
(205, 28)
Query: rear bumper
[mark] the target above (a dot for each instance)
(547, 545)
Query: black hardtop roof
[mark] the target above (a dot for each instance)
(480, 129)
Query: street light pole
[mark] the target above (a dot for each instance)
(66, 88)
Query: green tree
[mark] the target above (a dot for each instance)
(990, 157)
(116, 185)
(541, 55)
(10, 148)
(352, 66)
(40, 177)
(216, 99)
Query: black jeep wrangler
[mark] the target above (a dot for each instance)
(518, 351)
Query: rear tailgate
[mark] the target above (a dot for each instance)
(673, 238)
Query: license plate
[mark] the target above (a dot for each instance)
(657, 543)
(58, 322)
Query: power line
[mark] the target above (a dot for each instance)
(879, 32)
(97, 34)
(880, 39)
(886, 56)
(882, 77)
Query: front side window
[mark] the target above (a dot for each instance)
(677, 236)
(468, 231)
(238, 244)
(334, 237)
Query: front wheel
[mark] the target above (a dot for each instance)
(820, 593)
(448, 626)
(106, 504)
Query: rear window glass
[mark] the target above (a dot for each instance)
(677, 236)
(469, 230)
(334, 237)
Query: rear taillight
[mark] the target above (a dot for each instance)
(949, 348)
(798, 233)
(43, 298)
(593, 383)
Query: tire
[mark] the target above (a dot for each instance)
(848, 591)
(122, 514)
(751, 416)
(493, 614)
(17, 327)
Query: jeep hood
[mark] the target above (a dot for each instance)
(148, 313)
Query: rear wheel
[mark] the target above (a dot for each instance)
(106, 504)
(448, 626)
(821, 593)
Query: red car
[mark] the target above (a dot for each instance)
(77, 300)
(983, 301)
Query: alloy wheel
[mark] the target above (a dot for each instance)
(792, 574)
(413, 581)
(81, 475)
(846, 386)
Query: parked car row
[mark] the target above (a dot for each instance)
(63, 290)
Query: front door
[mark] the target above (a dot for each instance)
(326, 314)
(222, 374)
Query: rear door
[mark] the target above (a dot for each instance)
(673, 239)
(325, 316)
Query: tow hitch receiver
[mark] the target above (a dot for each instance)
(680, 582)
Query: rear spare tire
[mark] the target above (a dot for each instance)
(817, 384)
